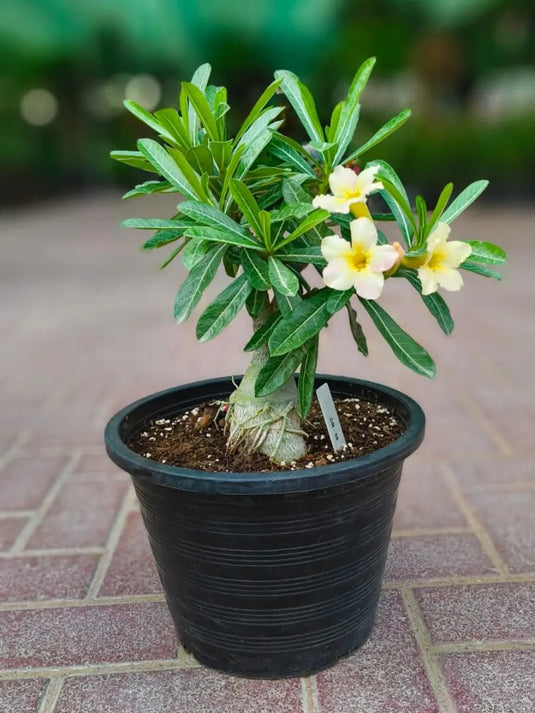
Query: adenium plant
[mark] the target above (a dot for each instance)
(264, 207)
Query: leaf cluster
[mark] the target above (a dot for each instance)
(246, 205)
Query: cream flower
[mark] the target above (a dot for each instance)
(347, 189)
(360, 264)
(443, 259)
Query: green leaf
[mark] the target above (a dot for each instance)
(200, 79)
(307, 376)
(310, 255)
(222, 236)
(400, 201)
(211, 216)
(194, 252)
(282, 278)
(285, 303)
(156, 224)
(391, 125)
(259, 105)
(348, 119)
(196, 282)
(221, 151)
(356, 331)
(190, 175)
(265, 222)
(286, 152)
(162, 238)
(406, 226)
(303, 323)
(276, 372)
(133, 158)
(165, 165)
(200, 159)
(145, 189)
(439, 208)
(202, 109)
(346, 136)
(247, 205)
(480, 270)
(463, 200)
(147, 118)
(255, 303)
(292, 192)
(293, 210)
(255, 268)
(229, 173)
(301, 100)
(223, 309)
(408, 351)
(421, 210)
(252, 152)
(434, 302)
(486, 252)
(172, 123)
(338, 299)
(259, 125)
(318, 216)
(261, 335)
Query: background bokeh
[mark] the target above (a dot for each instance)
(466, 67)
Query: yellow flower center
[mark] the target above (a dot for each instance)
(358, 259)
(436, 260)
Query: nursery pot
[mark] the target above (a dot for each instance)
(268, 575)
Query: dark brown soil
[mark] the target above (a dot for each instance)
(196, 438)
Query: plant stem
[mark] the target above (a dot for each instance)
(269, 424)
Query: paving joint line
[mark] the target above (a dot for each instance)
(51, 695)
(309, 694)
(472, 647)
(98, 669)
(423, 640)
(15, 448)
(56, 552)
(38, 515)
(29, 605)
(110, 547)
(461, 581)
(14, 514)
(429, 531)
(473, 521)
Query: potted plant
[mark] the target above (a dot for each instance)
(275, 569)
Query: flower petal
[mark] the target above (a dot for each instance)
(366, 182)
(449, 279)
(382, 257)
(334, 204)
(343, 182)
(368, 284)
(439, 235)
(363, 234)
(455, 252)
(339, 274)
(428, 279)
(333, 246)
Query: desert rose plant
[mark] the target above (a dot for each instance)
(264, 207)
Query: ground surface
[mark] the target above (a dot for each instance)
(86, 326)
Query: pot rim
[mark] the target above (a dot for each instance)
(169, 402)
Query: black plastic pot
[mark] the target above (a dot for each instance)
(268, 575)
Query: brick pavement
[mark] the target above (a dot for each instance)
(86, 326)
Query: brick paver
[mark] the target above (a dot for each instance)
(86, 327)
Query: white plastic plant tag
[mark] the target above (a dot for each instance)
(330, 416)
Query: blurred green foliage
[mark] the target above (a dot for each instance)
(466, 67)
